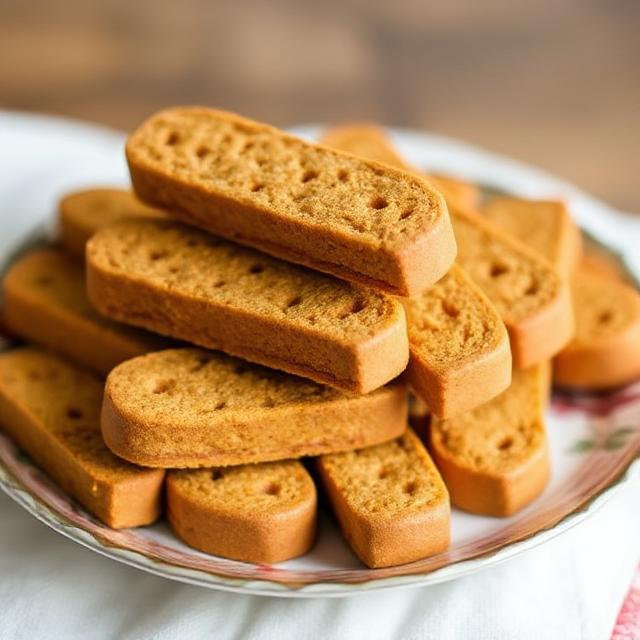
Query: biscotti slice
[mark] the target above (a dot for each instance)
(82, 213)
(458, 345)
(494, 459)
(45, 301)
(51, 408)
(302, 202)
(260, 513)
(370, 141)
(606, 349)
(530, 295)
(193, 408)
(181, 282)
(543, 225)
(531, 298)
(390, 501)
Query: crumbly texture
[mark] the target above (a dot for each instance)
(51, 409)
(82, 213)
(262, 513)
(370, 141)
(390, 501)
(543, 225)
(45, 301)
(302, 202)
(181, 282)
(494, 459)
(192, 408)
(606, 349)
(531, 297)
(459, 346)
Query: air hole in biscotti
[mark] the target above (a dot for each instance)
(498, 269)
(174, 269)
(162, 386)
(378, 202)
(505, 444)
(216, 474)
(157, 255)
(383, 473)
(410, 487)
(343, 175)
(172, 139)
(219, 284)
(450, 309)
(309, 175)
(74, 413)
(268, 403)
(532, 289)
(405, 214)
(221, 405)
(256, 186)
(294, 302)
(358, 305)
(248, 145)
(201, 364)
(272, 489)
(256, 268)
(312, 319)
(605, 317)
(203, 152)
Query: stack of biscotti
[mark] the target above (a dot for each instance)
(308, 285)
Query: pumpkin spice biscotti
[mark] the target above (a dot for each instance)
(181, 282)
(390, 501)
(458, 345)
(494, 459)
(82, 213)
(193, 408)
(45, 301)
(606, 349)
(261, 513)
(543, 225)
(51, 408)
(304, 203)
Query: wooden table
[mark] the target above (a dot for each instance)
(554, 83)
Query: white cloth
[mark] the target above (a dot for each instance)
(570, 588)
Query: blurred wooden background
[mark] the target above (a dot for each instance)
(556, 83)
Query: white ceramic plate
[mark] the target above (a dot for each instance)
(594, 440)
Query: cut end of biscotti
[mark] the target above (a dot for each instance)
(459, 346)
(191, 408)
(181, 282)
(605, 351)
(494, 459)
(302, 202)
(263, 513)
(51, 408)
(532, 298)
(390, 501)
(45, 301)
(82, 213)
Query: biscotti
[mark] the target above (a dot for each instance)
(181, 282)
(543, 225)
(533, 300)
(260, 513)
(494, 459)
(82, 213)
(192, 408)
(390, 501)
(458, 345)
(606, 349)
(305, 203)
(45, 301)
(370, 141)
(51, 409)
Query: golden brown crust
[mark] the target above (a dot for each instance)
(189, 408)
(606, 349)
(301, 202)
(82, 213)
(51, 409)
(45, 301)
(390, 501)
(459, 347)
(264, 513)
(180, 282)
(494, 460)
